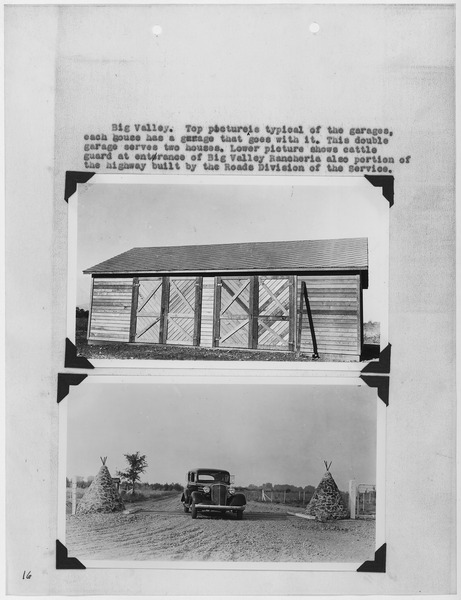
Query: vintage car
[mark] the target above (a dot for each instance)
(210, 490)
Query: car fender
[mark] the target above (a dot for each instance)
(238, 500)
(196, 497)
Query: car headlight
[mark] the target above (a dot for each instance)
(206, 489)
(231, 490)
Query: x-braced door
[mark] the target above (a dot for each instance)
(183, 314)
(233, 312)
(275, 313)
(149, 310)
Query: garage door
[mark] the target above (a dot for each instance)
(149, 310)
(275, 309)
(232, 326)
(182, 311)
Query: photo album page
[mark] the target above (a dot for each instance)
(230, 299)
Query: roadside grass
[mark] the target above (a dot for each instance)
(139, 497)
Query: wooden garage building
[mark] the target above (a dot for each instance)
(251, 295)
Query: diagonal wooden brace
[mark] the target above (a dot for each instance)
(311, 322)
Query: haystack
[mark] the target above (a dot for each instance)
(327, 503)
(101, 496)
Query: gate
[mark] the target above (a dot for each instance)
(362, 500)
(366, 500)
(233, 315)
(149, 310)
(275, 309)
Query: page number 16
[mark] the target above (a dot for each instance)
(26, 575)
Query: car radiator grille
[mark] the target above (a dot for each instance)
(218, 494)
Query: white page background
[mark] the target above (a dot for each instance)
(71, 68)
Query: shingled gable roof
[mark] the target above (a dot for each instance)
(349, 254)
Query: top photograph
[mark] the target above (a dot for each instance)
(219, 271)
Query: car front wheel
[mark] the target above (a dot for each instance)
(194, 511)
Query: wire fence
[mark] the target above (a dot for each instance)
(289, 497)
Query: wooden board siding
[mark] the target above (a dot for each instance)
(335, 304)
(206, 330)
(111, 309)
(266, 312)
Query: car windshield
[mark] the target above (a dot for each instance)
(211, 476)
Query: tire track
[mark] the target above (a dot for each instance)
(161, 530)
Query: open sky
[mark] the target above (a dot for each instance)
(113, 218)
(260, 433)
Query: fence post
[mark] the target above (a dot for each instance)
(352, 497)
(74, 495)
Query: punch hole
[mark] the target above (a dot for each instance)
(156, 30)
(314, 27)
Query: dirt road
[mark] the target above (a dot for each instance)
(162, 531)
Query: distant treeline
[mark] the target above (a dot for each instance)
(168, 487)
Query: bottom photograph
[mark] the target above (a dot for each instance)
(225, 473)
